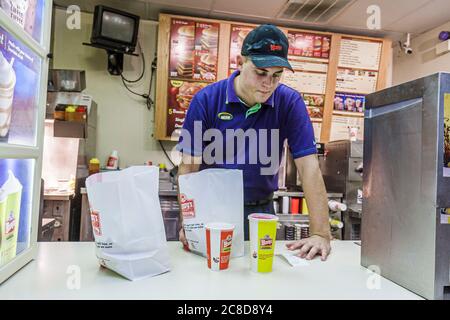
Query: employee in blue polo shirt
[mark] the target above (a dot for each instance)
(253, 102)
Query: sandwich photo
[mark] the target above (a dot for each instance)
(206, 66)
(210, 38)
(186, 92)
(185, 64)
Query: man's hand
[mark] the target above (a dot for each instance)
(312, 246)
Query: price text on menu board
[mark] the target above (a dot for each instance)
(193, 50)
(360, 54)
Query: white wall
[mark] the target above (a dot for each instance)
(424, 60)
(124, 122)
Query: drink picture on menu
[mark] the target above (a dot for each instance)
(179, 98)
(182, 40)
(26, 13)
(19, 78)
(349, 102)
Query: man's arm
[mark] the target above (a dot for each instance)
(315, 194)
(189, 164)
(317, 200)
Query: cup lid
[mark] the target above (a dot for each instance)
(219, 226)
(263, 216)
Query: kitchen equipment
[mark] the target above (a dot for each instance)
(406, 186)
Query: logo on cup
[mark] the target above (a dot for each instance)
(96, 226)
(216, 260)
(266, 242)
(227, 243)
(254, 255)
(187, 207)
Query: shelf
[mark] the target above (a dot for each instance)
(13, 151)
(277, 194)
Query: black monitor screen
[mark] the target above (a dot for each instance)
(117, 27)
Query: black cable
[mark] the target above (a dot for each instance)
(143, 67)
(148, 101)
(164, 150)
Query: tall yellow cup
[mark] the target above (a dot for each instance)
(263, 230)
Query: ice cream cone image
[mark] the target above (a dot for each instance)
(7, 84)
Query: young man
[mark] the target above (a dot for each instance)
(252, 101)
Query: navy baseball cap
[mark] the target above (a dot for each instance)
(267, 46)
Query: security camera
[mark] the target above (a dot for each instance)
(406, 46)
(408, 50)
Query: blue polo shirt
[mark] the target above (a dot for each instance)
(216, 112)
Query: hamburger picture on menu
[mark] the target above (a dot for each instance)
(180, 94)
(206, 46)
(182, 41)
(238, 34)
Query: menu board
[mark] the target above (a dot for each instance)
(305, 82)
(356, 81)
(344, 103)
(237, 36)
(359, 54)
(309, 45)
(315, 104)
(446, 135)
(28, 14)
(19, 84)
(180, 94)
(342, 127)
(193, 50)
(302, 65)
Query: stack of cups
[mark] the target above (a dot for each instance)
(219, 238)
(7, 84)
(263, 229)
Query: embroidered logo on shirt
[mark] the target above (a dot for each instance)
(225, 116)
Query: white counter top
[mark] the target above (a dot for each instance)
(57, 263)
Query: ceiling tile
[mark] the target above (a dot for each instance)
(432, 15)
(356, 14)
(249, 7)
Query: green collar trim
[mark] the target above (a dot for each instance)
(251, 110)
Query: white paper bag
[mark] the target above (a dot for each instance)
(212, 195)
(127, 222)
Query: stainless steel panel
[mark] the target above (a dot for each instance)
(402, 150)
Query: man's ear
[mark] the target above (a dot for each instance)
(240, 61)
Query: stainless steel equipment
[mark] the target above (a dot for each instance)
(405, 228)
(66, 80)
(68, 145)
(341, 166)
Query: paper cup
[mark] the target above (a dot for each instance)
(219, 237)
(263, 231)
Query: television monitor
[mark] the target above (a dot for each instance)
(114, 29)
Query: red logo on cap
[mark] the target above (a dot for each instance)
(275, 47)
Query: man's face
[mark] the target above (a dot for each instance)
(258, 83)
